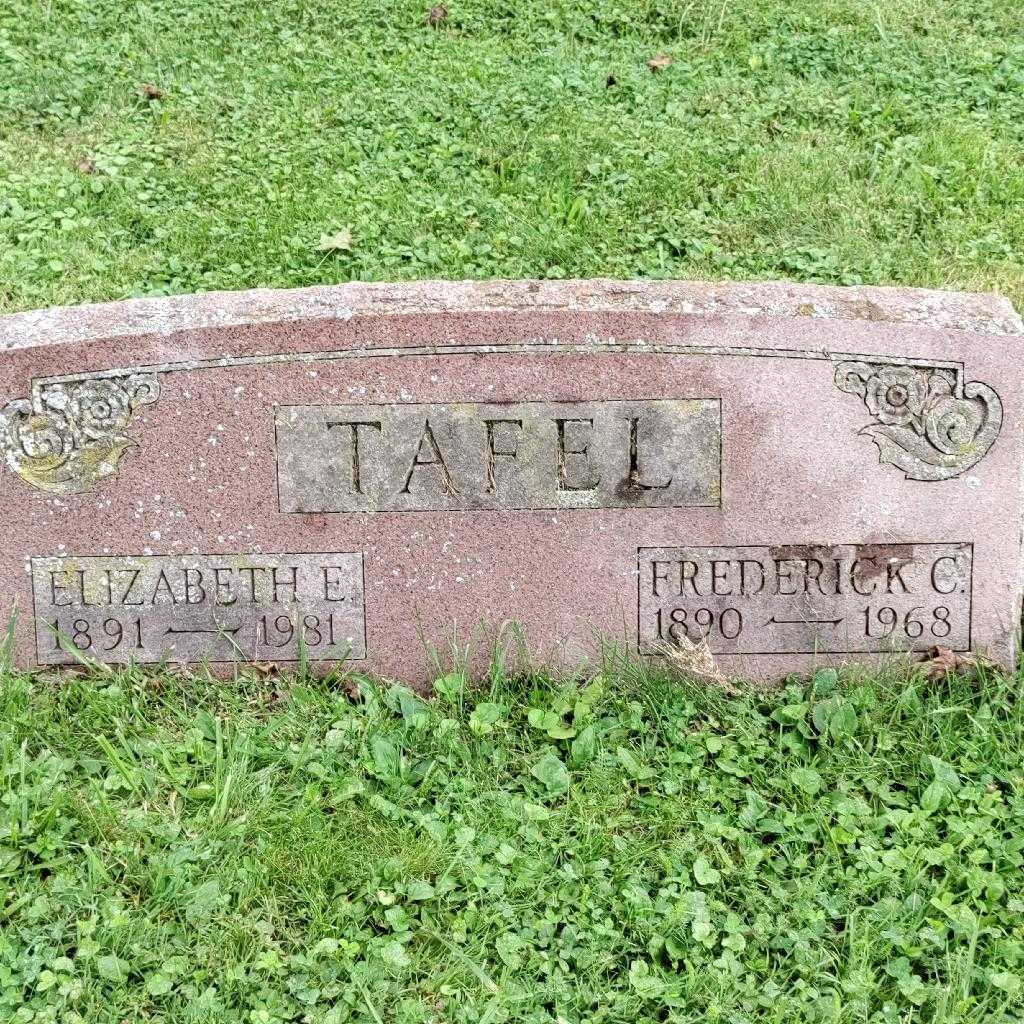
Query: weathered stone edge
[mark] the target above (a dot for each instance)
(963, 311)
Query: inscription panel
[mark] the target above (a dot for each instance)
(549, 455)
(806, 599)
(118, 609)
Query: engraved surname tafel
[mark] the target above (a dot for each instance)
(409, 457)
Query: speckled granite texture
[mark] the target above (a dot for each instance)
(807, 475)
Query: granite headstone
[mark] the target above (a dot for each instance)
(791, 475)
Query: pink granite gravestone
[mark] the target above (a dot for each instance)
(795, 475)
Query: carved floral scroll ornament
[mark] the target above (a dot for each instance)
(71, 436)
(928, 423)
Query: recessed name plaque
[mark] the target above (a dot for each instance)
(381, 475)
(410, 457)
(195, 607)
(806, 598)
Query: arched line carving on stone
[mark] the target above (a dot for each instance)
(72, 434)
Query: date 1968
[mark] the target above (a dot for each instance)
(879, 623)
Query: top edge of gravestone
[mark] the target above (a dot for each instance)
(962, 311)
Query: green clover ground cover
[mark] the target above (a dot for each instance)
(175, 850)
(150, 148)
(517, 850)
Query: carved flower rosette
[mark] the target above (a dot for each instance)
(927, 423)
(70, 436)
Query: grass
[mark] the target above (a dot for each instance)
(290, 143)
(632, 849)
(635, 848)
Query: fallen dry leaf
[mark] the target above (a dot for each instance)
(340, 241)
(148, 91)
(660, 61)
(436, 15)
(75, 671)
(940, 662)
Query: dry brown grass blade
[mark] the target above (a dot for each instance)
(696, 659)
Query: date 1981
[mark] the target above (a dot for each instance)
(131, 633)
